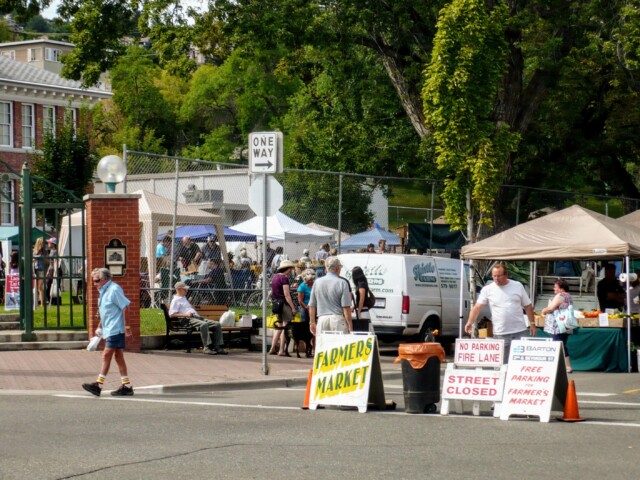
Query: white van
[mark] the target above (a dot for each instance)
(415, 294)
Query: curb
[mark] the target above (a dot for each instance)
(237, 385)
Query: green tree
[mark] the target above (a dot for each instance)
(98, 27)
(147, 114)
(67, 160)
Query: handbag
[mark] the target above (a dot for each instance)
(272, 321)
(276, 305)
(370, 301)
(565, 319)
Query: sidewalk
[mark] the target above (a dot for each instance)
(157, 371)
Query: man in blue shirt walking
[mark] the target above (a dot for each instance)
(112, 305)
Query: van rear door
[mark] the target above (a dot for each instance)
(449, 276)
(384, 274)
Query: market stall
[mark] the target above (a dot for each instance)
(574, 233)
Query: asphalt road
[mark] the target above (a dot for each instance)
(264, 434)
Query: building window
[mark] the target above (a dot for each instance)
(49, 120)
(32, 54)
(7, 203)
(52, 55)
(5, 124)
(28, 126)
(9, 53)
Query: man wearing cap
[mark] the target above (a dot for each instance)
(305, 256)
(181, 308)
(330, 301)
(211, 251)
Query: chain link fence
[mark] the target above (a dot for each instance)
(317, 208)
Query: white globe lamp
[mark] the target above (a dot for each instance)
(111, 170)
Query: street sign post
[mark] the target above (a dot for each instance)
(265, 198)
(265, 152)
(269, 201)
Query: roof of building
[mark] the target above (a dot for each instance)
(12, 70)
(35, 42)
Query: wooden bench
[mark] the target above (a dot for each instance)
(214, 312)
(210, 312)
(176, 325)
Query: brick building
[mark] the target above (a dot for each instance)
(32, 100)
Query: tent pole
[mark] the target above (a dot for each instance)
(461, 309)
(628, 317)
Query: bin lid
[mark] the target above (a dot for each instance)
(417, 354)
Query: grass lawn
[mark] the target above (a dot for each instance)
(416, 195)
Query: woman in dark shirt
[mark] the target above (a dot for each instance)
(361, 291)
(281, 291)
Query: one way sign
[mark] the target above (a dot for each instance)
(265, 152)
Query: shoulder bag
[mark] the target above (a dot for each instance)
(565, 319)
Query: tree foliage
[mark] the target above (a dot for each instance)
(67, 160)
(542, 93)
(462, 81)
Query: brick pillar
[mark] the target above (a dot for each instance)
(114, 216)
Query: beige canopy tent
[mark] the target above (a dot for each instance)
(632, 218)
(573, 233)
(156, 211)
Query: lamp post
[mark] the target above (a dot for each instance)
(111, 170)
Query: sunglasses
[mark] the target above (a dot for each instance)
(97, 281)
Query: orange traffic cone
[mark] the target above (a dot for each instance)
(571, 413)
(305, 404)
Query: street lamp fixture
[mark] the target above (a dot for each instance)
(111, 170)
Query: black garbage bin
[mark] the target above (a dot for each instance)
(420, 376)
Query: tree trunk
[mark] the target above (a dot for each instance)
(410, 101)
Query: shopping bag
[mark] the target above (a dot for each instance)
(271, 321)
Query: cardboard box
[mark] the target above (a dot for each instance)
(588, 322)
(617, 322)
(486, 332)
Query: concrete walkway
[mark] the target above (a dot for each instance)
(156, 371)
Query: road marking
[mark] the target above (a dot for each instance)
(386, 412)
(621, 404)
(182, 402)
(587, 394)
(635, 390)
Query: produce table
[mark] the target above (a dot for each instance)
(596, 349)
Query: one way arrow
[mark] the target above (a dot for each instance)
(268, 164)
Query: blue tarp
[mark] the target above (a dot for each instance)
(362, 239)
(199, 233)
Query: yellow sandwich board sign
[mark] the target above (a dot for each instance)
(346, 371)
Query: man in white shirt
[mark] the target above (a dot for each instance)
(181, 308)
(506, 299)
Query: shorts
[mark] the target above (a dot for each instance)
(115, 341)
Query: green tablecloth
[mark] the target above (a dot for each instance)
(596, 349)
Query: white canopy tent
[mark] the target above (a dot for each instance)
(280, 228)
(154, 211)
(574, 233)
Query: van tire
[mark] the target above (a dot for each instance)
(429, 326)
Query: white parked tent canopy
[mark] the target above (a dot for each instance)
(154, 212)
(283, 228)
(574, 233)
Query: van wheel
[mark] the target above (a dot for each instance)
(426, 334)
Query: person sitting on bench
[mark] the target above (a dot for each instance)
(210, 330)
